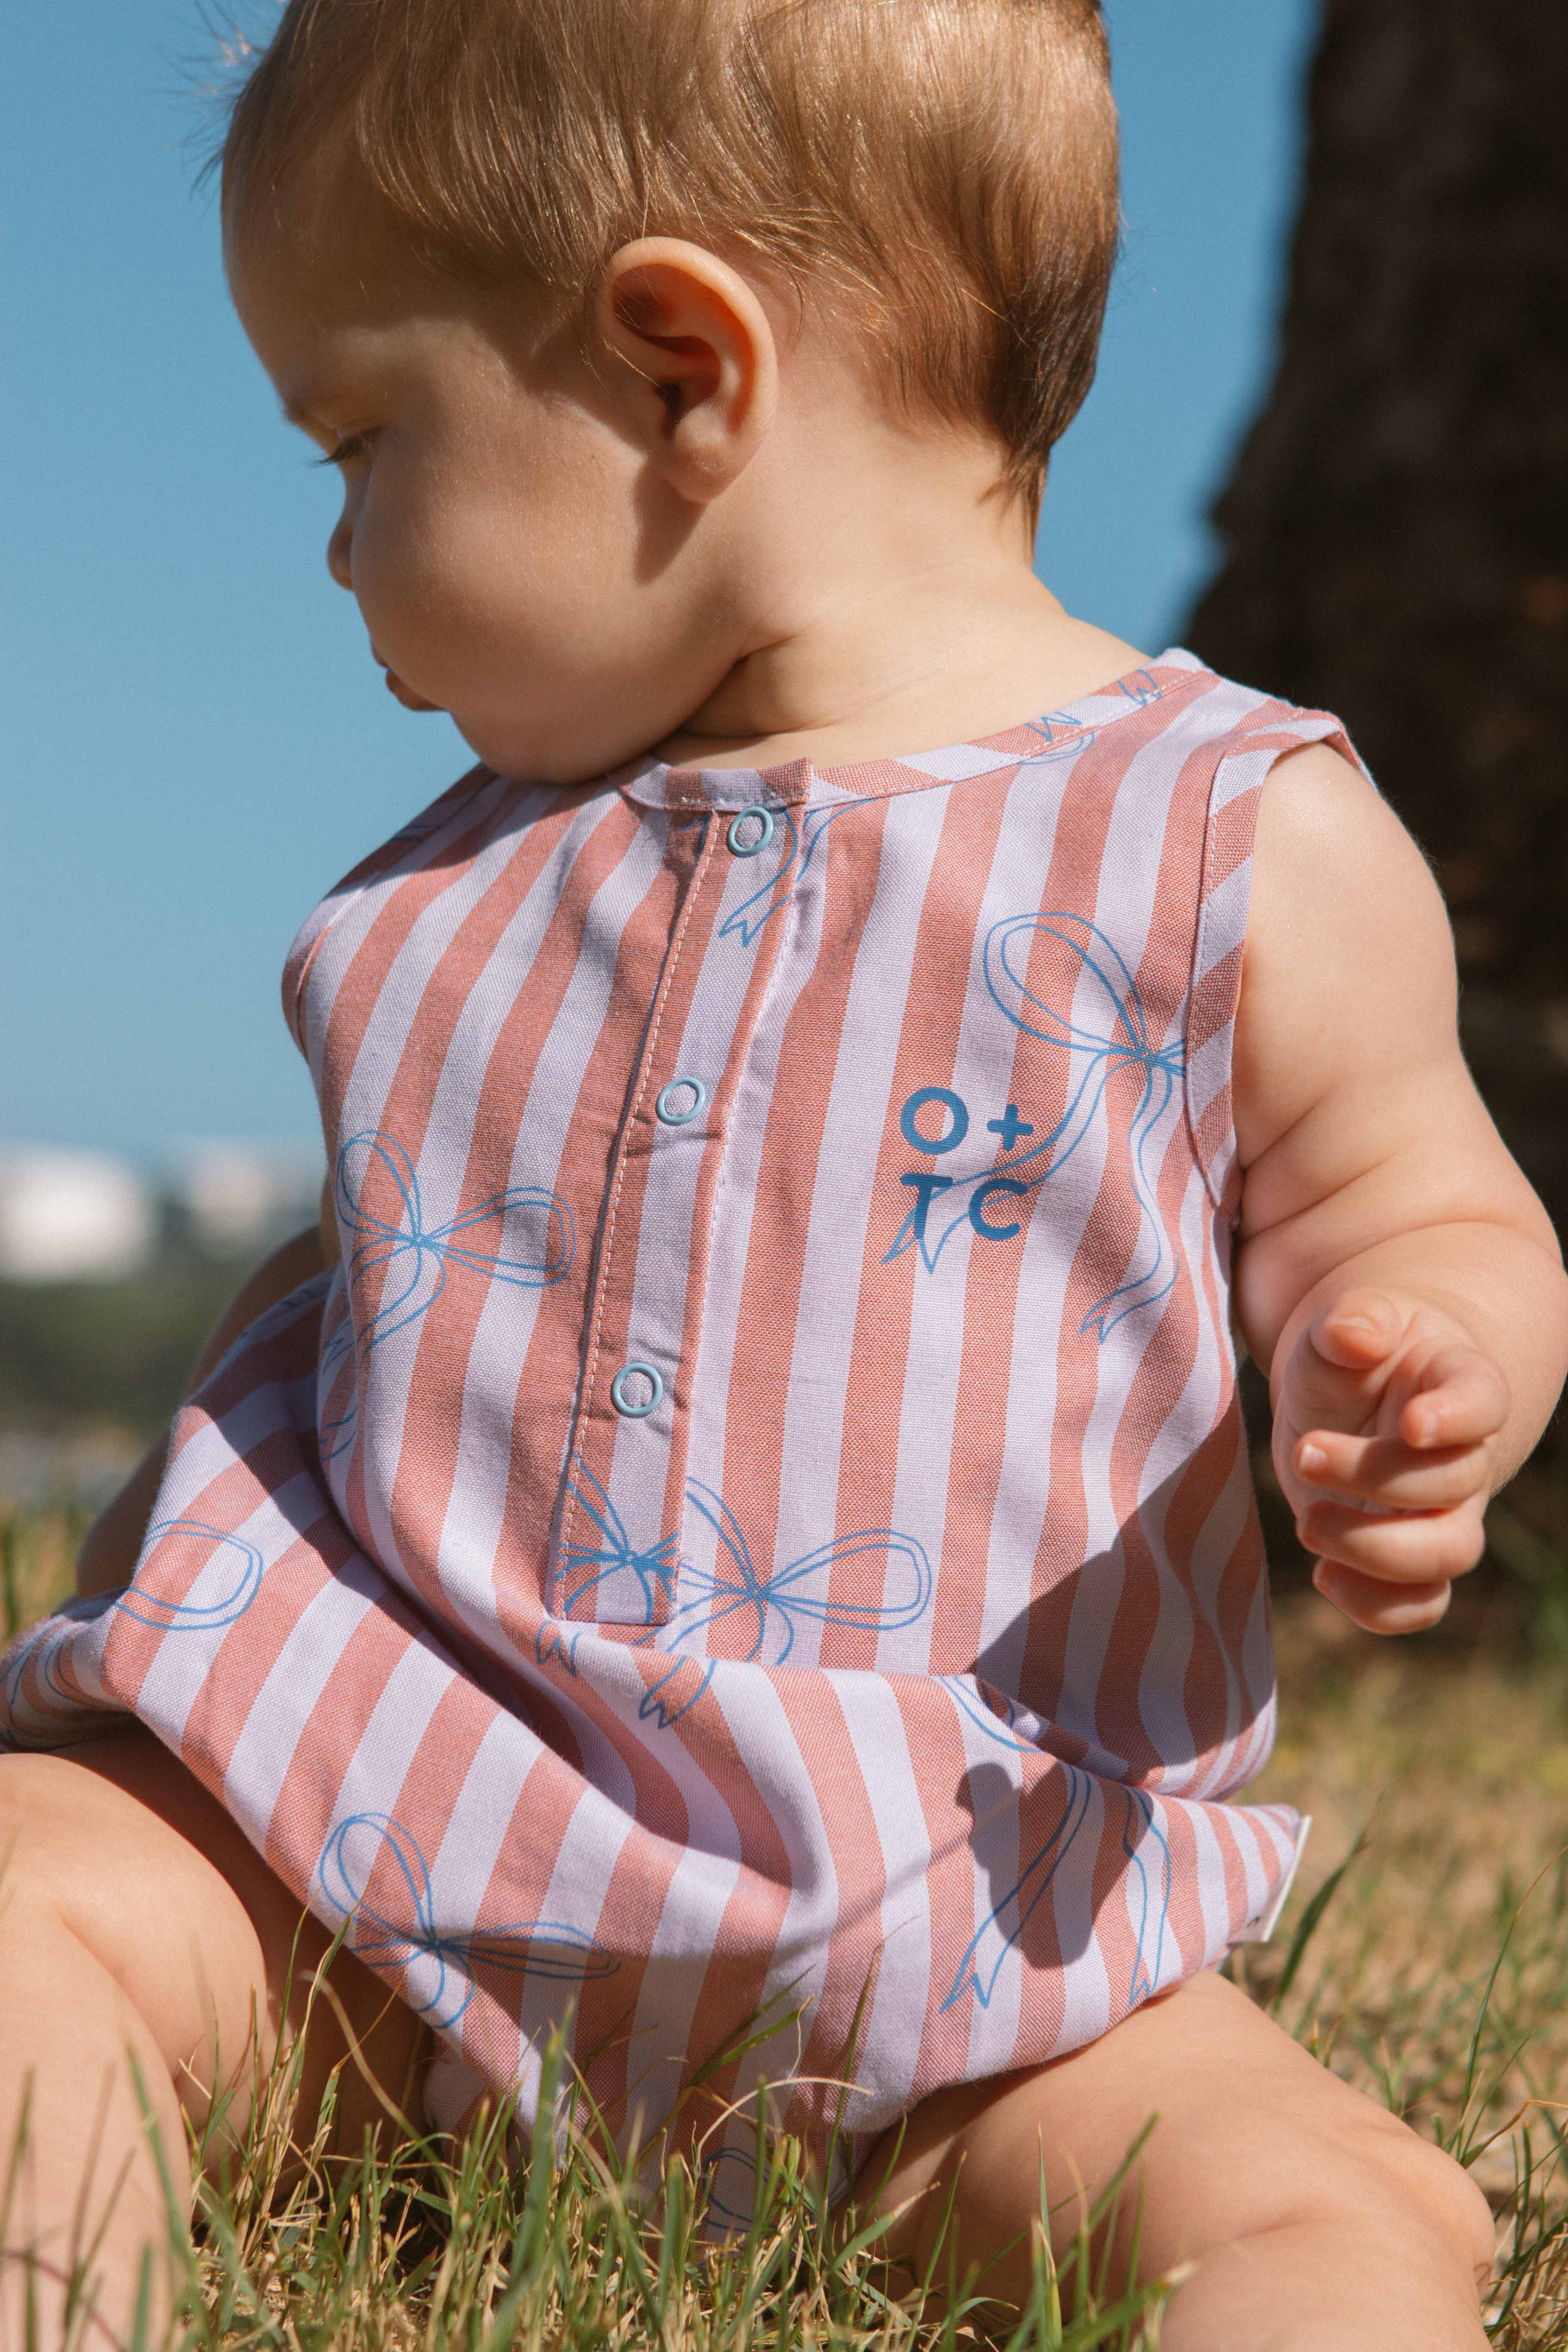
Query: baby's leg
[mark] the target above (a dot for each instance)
(1318, 2223)
(138, 1928)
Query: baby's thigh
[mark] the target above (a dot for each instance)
(1250, 2137)
(208, 1946)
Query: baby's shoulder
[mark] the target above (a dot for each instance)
(1329, 854)
(1348, 975)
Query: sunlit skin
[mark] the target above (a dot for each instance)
(663, 538)
(701, 531)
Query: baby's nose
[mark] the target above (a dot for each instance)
(338, 551)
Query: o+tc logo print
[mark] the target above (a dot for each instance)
(929, 1187)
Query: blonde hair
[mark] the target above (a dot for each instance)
(947, 166)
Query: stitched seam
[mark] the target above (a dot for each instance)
(1200, 941)
(295, 986)
(1323, 727)
(724, 1182)
(478, 780)
(606, 1256)
(914, 779)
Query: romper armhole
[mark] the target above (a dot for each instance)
(1241, 769)
(414, 837)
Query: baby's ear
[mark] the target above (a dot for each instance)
(697, 362)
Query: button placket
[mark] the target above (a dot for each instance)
(625, 1503)
(592, 1534)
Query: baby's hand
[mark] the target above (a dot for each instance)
(1385, 1440)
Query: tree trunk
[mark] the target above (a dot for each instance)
(1396, 528)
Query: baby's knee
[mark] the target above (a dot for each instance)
(1403, 2183)
(44, 1799)
(1458, 2208)
(83, 1832)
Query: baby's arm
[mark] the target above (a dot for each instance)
(111, 1544)
(1396, 1276)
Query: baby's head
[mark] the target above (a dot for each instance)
(593, 301)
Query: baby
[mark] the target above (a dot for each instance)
(744, 1512)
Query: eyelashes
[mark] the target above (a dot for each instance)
(353, 445)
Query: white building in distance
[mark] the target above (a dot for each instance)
(72, 1216)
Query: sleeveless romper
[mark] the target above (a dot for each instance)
(753, 1537)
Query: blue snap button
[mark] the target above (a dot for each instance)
(636, 1390)
(680, 1101)
(749, 848)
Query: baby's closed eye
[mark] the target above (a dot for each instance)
(352, 445)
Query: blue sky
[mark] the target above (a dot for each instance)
(194, 743)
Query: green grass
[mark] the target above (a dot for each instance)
(1435, 1975)
(479, 2248)
(110, 1353)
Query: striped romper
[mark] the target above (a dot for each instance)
(755, 1526)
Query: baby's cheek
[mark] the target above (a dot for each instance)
(379, 563)
(421, 598)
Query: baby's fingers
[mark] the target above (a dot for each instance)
(1403, 1547)
(1360, 1331)
(1377, 1607)
(1458, 1398)
(1385, 1471)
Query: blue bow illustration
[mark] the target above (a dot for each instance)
(737, 2216)
(335, 1436)
(1124, 1044)
(548, 1948)
(553, 1640)
(45, 1646)
(998, 1934)
(664, 1703)
(1142, 688)
(615, 1554)
(747, 920)
(962, 1690)
(737, 1584)
(1061, 738)
(189, 1616)
(1065, 737)
(419, 1251)
(1146, 1981)
(418, 1256)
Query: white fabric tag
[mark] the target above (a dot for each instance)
(1258, 1931)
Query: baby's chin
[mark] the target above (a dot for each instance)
(405, 694)
(582, 745)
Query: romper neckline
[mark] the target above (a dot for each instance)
(1056, 735)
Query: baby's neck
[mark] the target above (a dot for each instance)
(897, 612)
(998, 664)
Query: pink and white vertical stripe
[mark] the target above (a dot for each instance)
(757, 1517)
